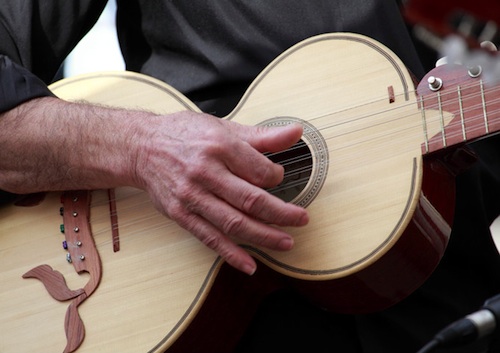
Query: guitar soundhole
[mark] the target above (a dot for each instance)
(297, 162)
(305, 163)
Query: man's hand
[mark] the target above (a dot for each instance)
(207, 174)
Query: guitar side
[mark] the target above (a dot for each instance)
(369, 195)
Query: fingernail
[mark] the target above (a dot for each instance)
(286, 244)
(249, 269)
(302, 221)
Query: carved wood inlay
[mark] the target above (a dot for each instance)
(82, 254)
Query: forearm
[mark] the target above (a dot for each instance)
(49, 144)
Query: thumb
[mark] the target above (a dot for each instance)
(273, 139)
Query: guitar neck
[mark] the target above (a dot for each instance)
(466, 107)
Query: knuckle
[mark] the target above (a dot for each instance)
(213, 142)
(197, 170)
(268, 174)
(201, 171)
(253, 202)
(263, 173)
(180, 216)
(264, 239)
(212, 241)
(230, 257)
(233, 225)
(186, 194)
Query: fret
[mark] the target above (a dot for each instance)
(461, 109)
(485, 115)
(441, 119)
(424, 124)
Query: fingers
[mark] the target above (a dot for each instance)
(235, 223)
(216, 224)
(245, 158)
(258, 203)
(244, 214)
(233, 254)
(269, 139)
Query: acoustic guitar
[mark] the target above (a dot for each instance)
(102, 270)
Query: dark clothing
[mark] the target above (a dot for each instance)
(208, 50)
(18, 85)
(215, 48)
(211, 51)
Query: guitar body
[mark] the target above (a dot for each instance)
(378, 223)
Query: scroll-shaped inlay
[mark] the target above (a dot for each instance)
(83, 255)
(54, 282)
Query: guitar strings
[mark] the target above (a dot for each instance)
(416, 124)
